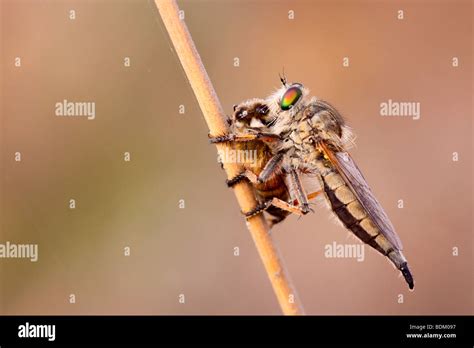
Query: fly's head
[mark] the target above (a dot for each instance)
(287, 105)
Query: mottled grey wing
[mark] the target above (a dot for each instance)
(361, 189)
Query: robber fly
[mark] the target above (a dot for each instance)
(270, 184)
(309, 136)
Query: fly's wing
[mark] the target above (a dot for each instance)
(356, 181)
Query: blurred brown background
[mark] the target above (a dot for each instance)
(190, 251)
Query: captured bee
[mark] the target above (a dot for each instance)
(312, 137)
(270, 183)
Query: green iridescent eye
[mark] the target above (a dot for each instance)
(291, 96)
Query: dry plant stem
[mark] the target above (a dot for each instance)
(214, 115)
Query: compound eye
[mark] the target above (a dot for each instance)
(291, 96)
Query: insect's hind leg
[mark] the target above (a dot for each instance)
(299, 192)
(281, 209)
(275, 202)
(280, 204)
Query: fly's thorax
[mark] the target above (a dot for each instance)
(313, 159)
(299, 142)
(324, 124)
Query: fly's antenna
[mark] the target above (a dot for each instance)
(283, 78)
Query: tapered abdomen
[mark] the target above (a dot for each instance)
(354, 217)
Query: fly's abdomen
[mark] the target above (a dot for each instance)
(352, 214)
(347, 208)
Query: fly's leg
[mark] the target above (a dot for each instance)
(245, 175)
(310, 196)
(300, 204)
(278, 203)
(236, 179)
(229, 138)
(314, 194)
(299, 192)
(271, 167)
